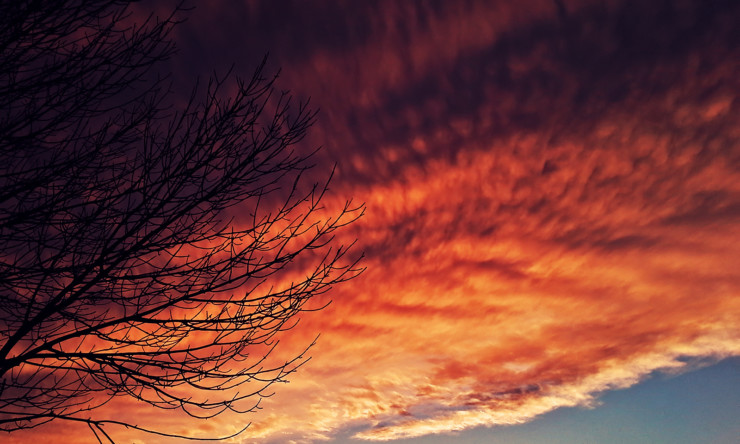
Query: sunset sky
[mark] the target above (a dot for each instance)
(552, 221)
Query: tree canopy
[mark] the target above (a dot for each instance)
(147, 250)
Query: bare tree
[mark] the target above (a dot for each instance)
(146, 251)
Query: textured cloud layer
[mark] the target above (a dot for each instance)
(553, 210)
(553, 202)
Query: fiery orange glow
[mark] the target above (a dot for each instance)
(472, 318)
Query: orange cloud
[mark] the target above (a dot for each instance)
(533, 250)
(468, 317)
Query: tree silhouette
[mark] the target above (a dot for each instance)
(147, 250)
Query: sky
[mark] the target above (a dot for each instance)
(552, 223)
